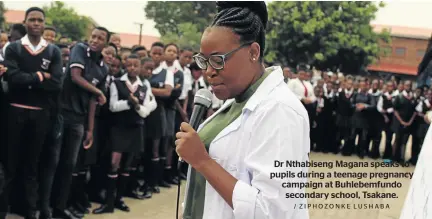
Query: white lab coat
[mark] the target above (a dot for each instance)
(273, 125)
(418, 202)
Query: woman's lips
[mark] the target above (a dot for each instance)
(216, 86)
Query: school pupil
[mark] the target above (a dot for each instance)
(34, 77)
(415, 147)
(363, 104)
(17, 32)
(124, 56)
(140, 51)
(317, 120)
(385, 108)
(376, 121)
(344, 111)
(100, 149)
(49, 34)
(147, 67)
(185, 59)
(116, 67)
(130, 102)
(65, 54)
(135, 189)
(109, 52)
(330, 101)
(417, 97)
(162, 83)
(404, 115)
(82, 90)
(171, 107)
(116, 40)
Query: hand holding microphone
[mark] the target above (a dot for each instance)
(190, 147)
(188, 144)
(188, 141)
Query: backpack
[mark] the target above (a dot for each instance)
(4, 84)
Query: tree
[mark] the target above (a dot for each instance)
(187, 36)
(168, 15)
(334, 35)
(2, 18)
(67, 21)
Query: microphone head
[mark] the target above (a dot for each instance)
(203, 97)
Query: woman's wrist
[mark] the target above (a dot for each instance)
(204, 165)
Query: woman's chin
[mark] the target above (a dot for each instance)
(221, 94)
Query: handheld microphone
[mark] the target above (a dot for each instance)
(202, 101)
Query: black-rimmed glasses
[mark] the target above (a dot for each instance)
(216, 61)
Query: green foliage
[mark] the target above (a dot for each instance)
(168, 15)
(2, 18)
(187, 36)
(324, 34)
(67, 21)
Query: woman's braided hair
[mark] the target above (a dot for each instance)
(246, 19)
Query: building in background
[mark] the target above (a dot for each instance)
(14, 17)
(129, 39)
(404, 53)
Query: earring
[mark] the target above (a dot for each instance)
(254, 59)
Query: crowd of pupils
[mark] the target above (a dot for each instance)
(351, 115)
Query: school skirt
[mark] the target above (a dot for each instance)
(343, 121)
(397, 127)
(376, 122)
(156, 122)
(170, 121)
(422, 130)
(126, 139)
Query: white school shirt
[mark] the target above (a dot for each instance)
(187, 80)
(199, 83)
(418, 201)
(117, 105)
(25, 41)
(274, 125)
(296, 86)
(152, 100)
(169, 79)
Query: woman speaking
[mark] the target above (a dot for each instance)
(233, 154)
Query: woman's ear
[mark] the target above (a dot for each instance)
(255, 52)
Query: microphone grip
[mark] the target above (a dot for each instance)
(195, 119)
(197, 115)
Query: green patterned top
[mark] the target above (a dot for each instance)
(194, 206)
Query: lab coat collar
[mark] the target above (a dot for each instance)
(272, 81)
